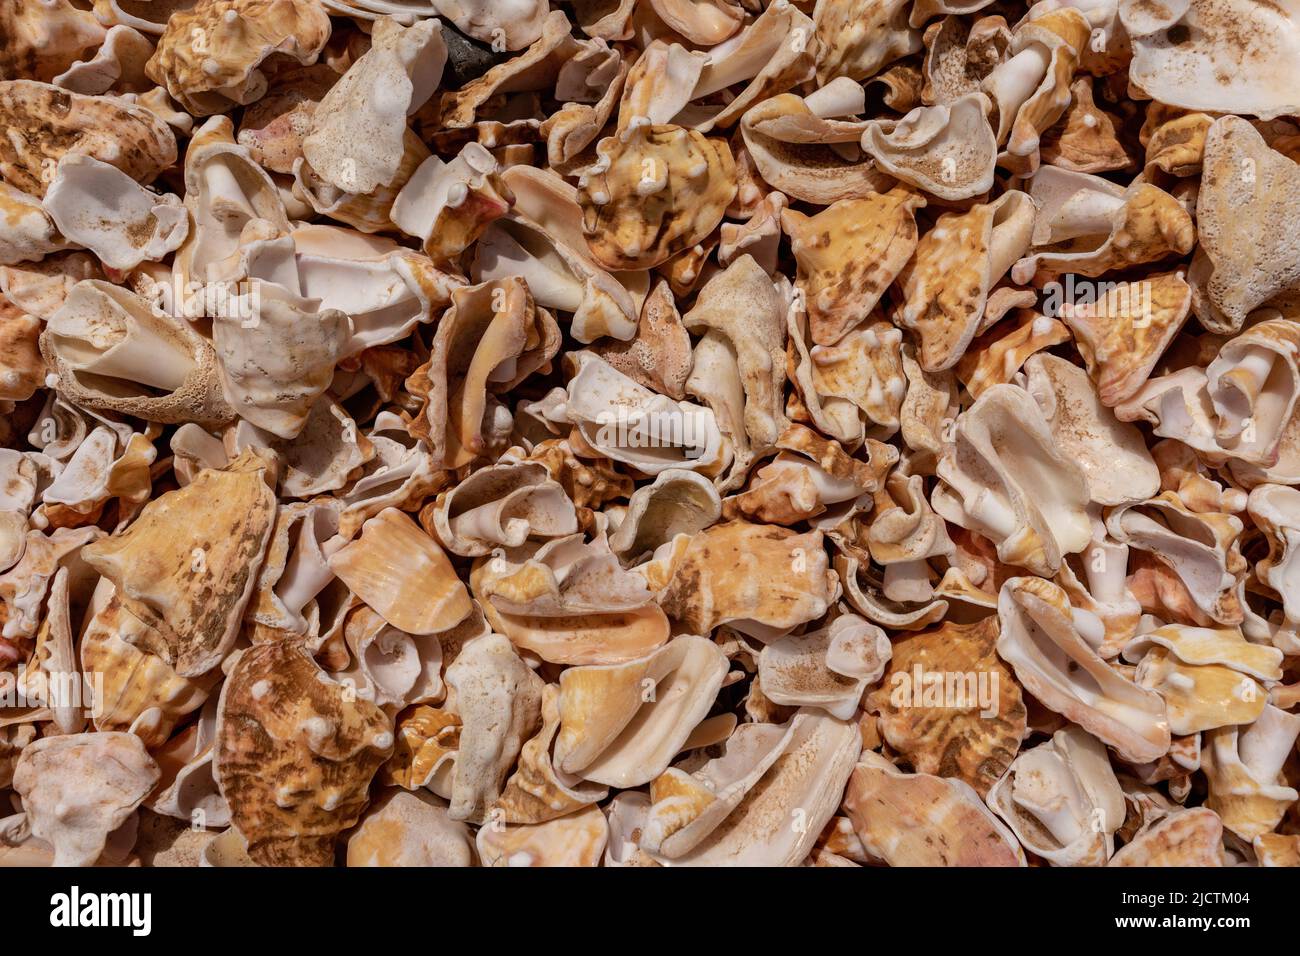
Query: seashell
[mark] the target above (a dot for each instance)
(570, 602)
(187, 789)
(702, 23)
(1204, 675)
(277, 395)
(209, 56)
(112, 351)
(537, 68)
(272, 129)
(44, 37)
(1111, 453)
(661, 83)
(848, 254)
(677, 502)
(741, 305)
(98, 206)
(957, 263)
(1041, 638)
(424, 755)
(1200, 549)
(1062, 801)
(367, 212)
(499, 701)
(448, 205)
(658, 356)
(371, 103)
(1243, 766)
(920, 820)
(904, 534)
(409, 829)
(1032, 88)
(621, 724)
(403, 574)
(542, 241)
(389, 667)
(736, 810)
(1275, 849)
(856, 39)
(189, 578)
(232, 201)
(628, 423)
(1191, 56)
(994, 482)
(296, 567)
(78, 788)
(762, 580)
(1273, 509)
(1140, 225)
(1122, 335)
(949, 706)
(997, 356)
(1183, 838)
(1086, 140)
(828, 668)
(493, 337)
(46, 123)
(759, 237)
(295, 754)
(809, 476)
(117, 65)
(502, 506)
(958, 55)
(538, 791)
(654, 191)
(29, 233)
(1245, 257)
(1174, 140)
(384, 288)
(854, 389)
(592, 83)
(947, 150)
(18, 477)
(53, 670)
(515, 24)
(24, 586)
(575, 840)
(772, 54)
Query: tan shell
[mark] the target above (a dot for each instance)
(1122, 335)
(1247, 200)
(46, 123)
(208, 57)
(424, 754)
(957, 263)
(996, 469)
(403, 574)
(1062, 800)
(187, 566)
(1086, 139)
(762, 803)
(828, 667)
(491, 328)
(655, 190)
(1243, 766)
(113, 351)
(946, 150)
(22, 370)
(499, 702)
(45, 37)
(857, 38)
(77, 789)
(920, 820)
(997, 356)
(577, 839)
(848, 254)
(294, 755)
(569, 602)
(409, 829)
(538, 791)
(1183, 838)
(658, 356)
(967, 735)
(621, 724)
(758, 578)
(139, 692)
(1040, 639)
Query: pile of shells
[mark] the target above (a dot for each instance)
(649, 432)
